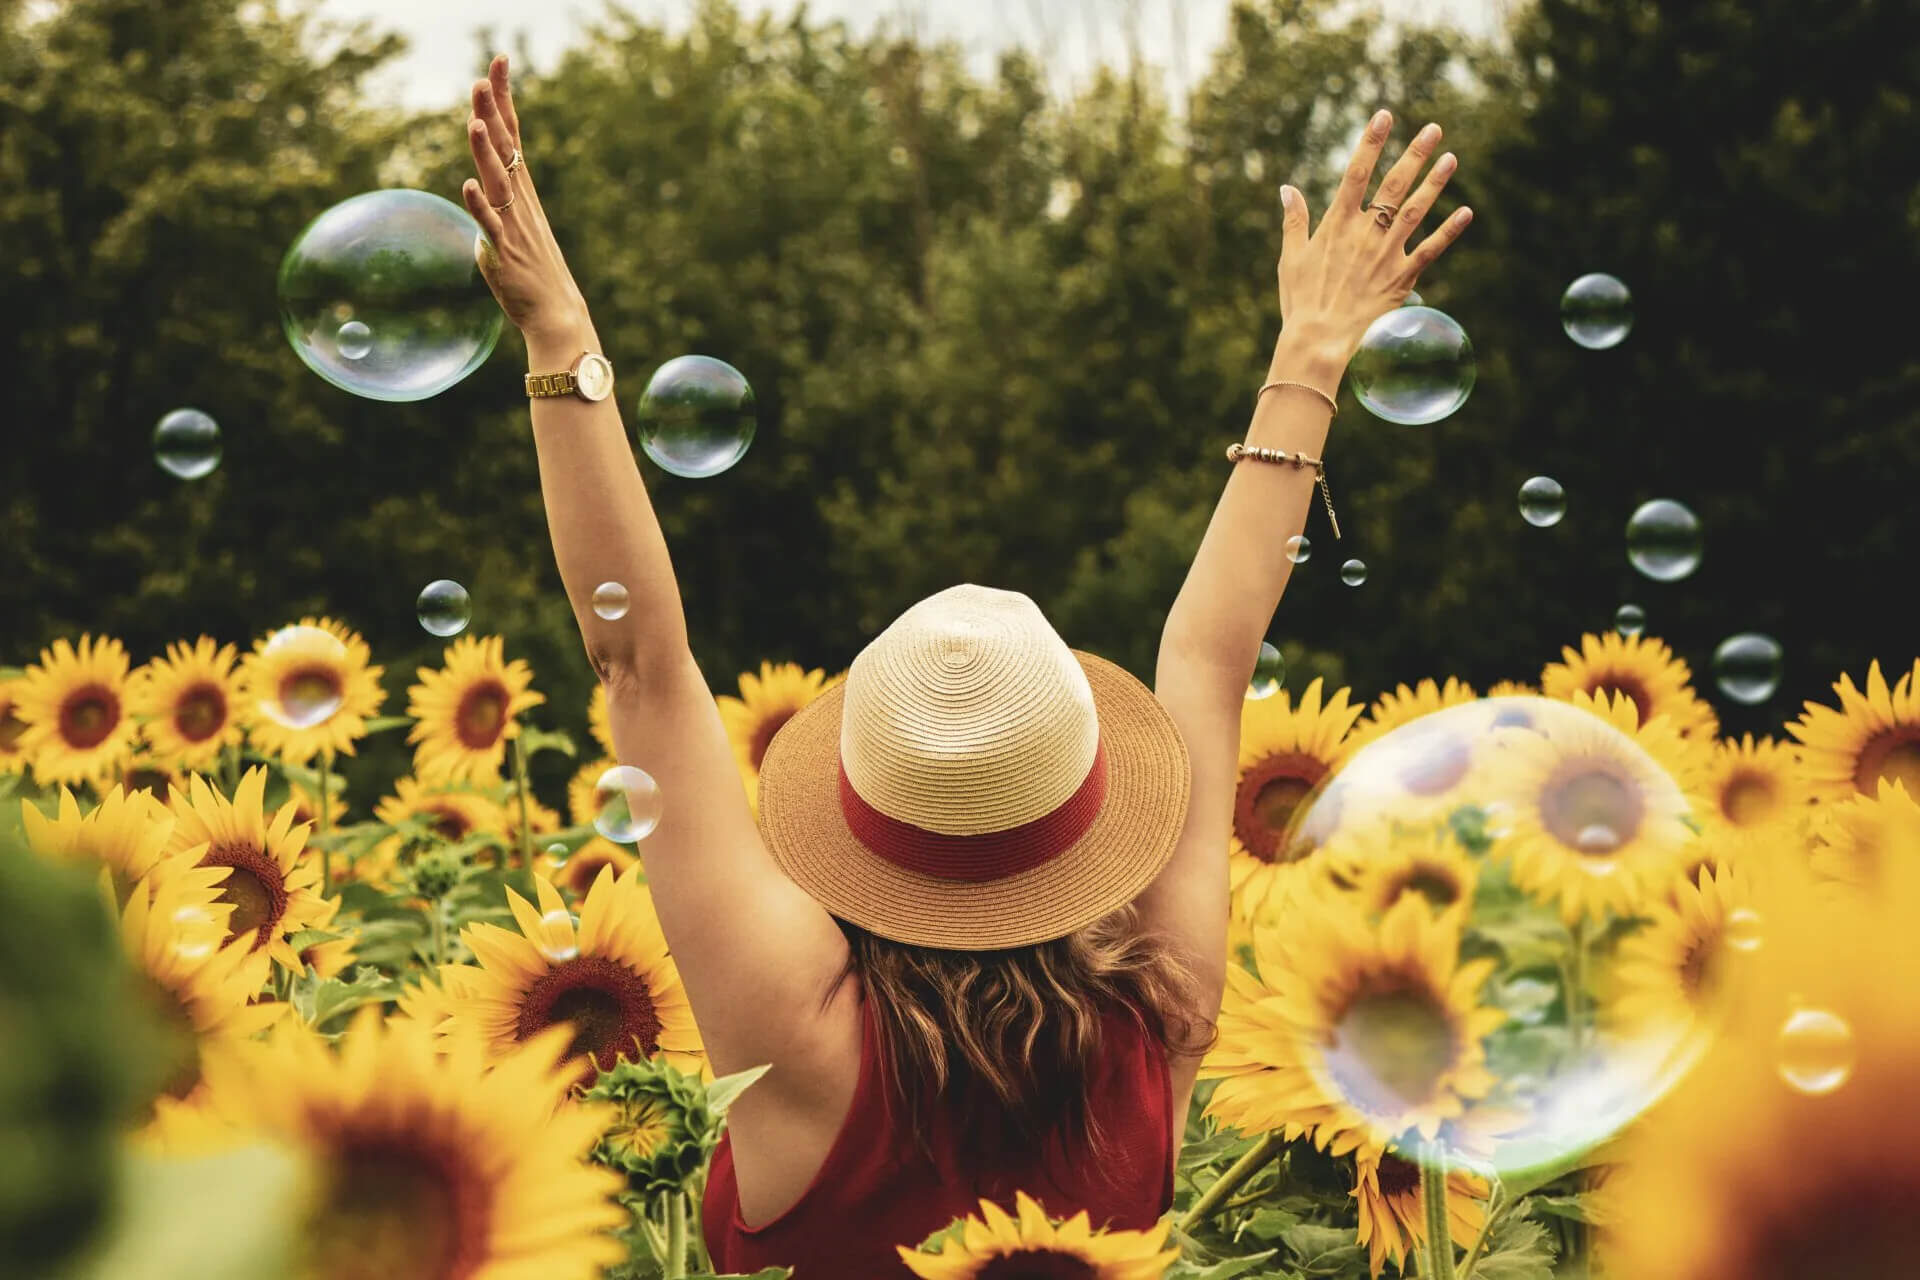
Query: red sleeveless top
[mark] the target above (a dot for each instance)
(877, 1188)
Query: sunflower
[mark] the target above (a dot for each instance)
(1285, 753)
(1393, 1220)
(428, 1165)
(127, 833)
(1872, 736)
(188, 700)
(465, 713)
(1855, 841)
(451, 813)
(1389, 861)
(309, 688)
(766, 702)
(576, 873)
(1642, 668)
(13, 757)
(1598, 823)
(74, 706)
(1403, 704)
(1353, 1032)
(598, 722)
(1512, 689)
(1673, 975)
(1754, 785)
(1028, 1243)
(200, 985)
(306, 805)
(1422, 767)
(146, 772)
(272, 888)
(584, 798)
(610, 976)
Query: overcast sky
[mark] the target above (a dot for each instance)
(1075, 34)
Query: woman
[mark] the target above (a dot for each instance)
(980, 931)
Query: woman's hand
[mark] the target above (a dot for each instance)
(1355, 268)
(522, 263)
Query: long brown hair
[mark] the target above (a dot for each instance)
(1008, 1039)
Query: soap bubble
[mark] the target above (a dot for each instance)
(628, 802)
(610, 601)
(559, 851)
(1299, 548)
(1596, 311)
(1269, 673)
(444, 607)
(1663, 540)
(1629, 619)
(1743, 930)
(186, 444)
(1414, 366)
(1513, 830)
(1353, 572)
(1542, 501)
(311, 662)
(1414, 299)
(696, 417)
(381, 296)
(1747, 667)
(557, 938)
(1816, 1051)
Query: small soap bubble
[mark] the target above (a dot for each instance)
(1816, 1051)
(1414, 366)
(1597, 311)
(1629, 619)
(186, 444)
(1742, 929)
(1414, 299)
(558, 851)
(1269, 673)
(354, 340)
(1747, 667)
(629, 804)
(312, 662)
(1542, 501)
(1353, 572)
(1299, 548)
(444, 607)
(696, 417)
(610, 601)
(1663, 540)
(557, 941)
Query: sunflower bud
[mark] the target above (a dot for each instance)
(663, 1129)
(436, 874)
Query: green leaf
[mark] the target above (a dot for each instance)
(953, 1230)
(312, 938)
(1515, 1264)
(1577, 1208)
(1324, 1251)
(771, 1273)
(1221, 1270)
(333, 997)
(722, 1092)
(380, 724)
(533, 741)
(12, 673)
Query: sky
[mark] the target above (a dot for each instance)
(1076, 35)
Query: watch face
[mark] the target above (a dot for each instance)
(594, 377)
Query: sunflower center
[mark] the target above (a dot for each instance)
(200, 712)
(449, 823)
(11, 727)
(1700, 968)
(1398, 1177)
(482, 715)
(1431, 883)
(642, 1128)
(309, 695)
(1749, 798)
(88, 715)
(581, 872)
(1893, 755)
(763, 733)
(255, 886)
(1269, 794)
(1437, 763)
(1614, 682)
(152, 781)
(610, 1007)
(1591, 809)
(1037, 1264)
(1389, 1050)
(397, 1208)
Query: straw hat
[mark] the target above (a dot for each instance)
(974, 783)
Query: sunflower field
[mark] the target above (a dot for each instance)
(1557, 973)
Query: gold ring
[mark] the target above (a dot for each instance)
(1383, 214)
(518, 162)
(502, 208)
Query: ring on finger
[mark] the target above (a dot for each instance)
(518, 162)
(502, 208)
(1383, 214)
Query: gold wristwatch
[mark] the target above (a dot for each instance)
(590, 378)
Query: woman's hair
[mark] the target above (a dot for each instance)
(1009, 1039)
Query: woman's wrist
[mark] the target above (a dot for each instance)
(559, 342)
(1304, 354)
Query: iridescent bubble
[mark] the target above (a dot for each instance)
(1353, 572)
(1629, 619)
(559, 851)
(557, 939)
(1597, 311)
(354, 340)
(610, 601)
(310, 689)
(1747, 667)
(629, 804)
(696, 417)
(186, 444)
(382, 296)
(1414, 299)
(1663, 540)
(1414, 366)
(1299, 548)
(1269, 673)
(1816, 1051)
(1542, 501)
(444, 607)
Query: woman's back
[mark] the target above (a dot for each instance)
(878, 1188)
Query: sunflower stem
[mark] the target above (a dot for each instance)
(1496, 1209)
(526, 824)
(1269, 1146)
(1436, 1251)
(1577, 989)
(326, 823)
(674, 1265)
(437, 915)
(230, 768)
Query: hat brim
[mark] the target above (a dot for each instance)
(1148, 780)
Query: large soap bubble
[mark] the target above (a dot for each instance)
(696, 416)
(382, 296)
(1414, 366)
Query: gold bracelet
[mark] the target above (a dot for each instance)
(1333, 406)
(1236, 451)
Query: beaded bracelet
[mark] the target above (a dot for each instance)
(1236, 451)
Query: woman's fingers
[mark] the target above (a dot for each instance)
(497, 74)
(1352, 197)
(495, 185)
(490, 222)
(1294, 221)
(1400, 178)
(487, 111)
(1415, 210)
(1436, 244)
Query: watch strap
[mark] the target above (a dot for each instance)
(543, 385)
